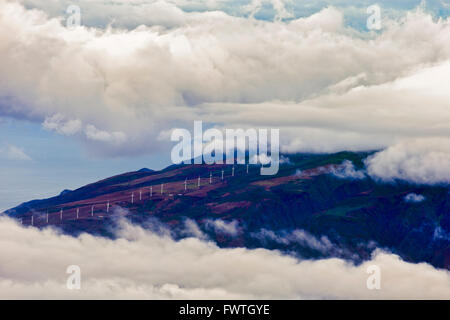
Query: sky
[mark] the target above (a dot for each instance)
(83, 103)
(79, 103)
(52, 163)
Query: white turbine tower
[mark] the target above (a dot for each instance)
(247, 169)
(198, 183)
(92, 211)
(78, 213)
(210, 177)
(132, 197)
(47, 217)
(107, 207)
(185, 184)
(140, 195)
(32, 220)
(222, 175)
(232, 171)
(162, 188)
(151, 192)
(60, 214)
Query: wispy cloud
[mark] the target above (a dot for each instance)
(11, 152)
(62, 126)
(220, 226)
(115, 137)
(347, 170)
(298, 236)
(413, 197)
(192, 229)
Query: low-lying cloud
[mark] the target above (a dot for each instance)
(221, 226)
(422, 161)
(322, 244)
(347, 170)
(414, 197)
(144, 265)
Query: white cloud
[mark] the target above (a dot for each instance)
(422, 161)
(221, 226)
(143, 265)
(70, 127)
(365, 117)
(346, 170)
(192, 229)
(302, 237)
(325, 86)
(59, 124)
(11, 152)
(278, 5)
(414, 197)
(322, 244)
(99, 135)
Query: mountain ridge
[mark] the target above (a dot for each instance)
(305, 209)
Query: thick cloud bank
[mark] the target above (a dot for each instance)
(144, 265)
(326, 86)
(424, 161)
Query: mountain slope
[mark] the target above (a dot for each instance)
(309, 209)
